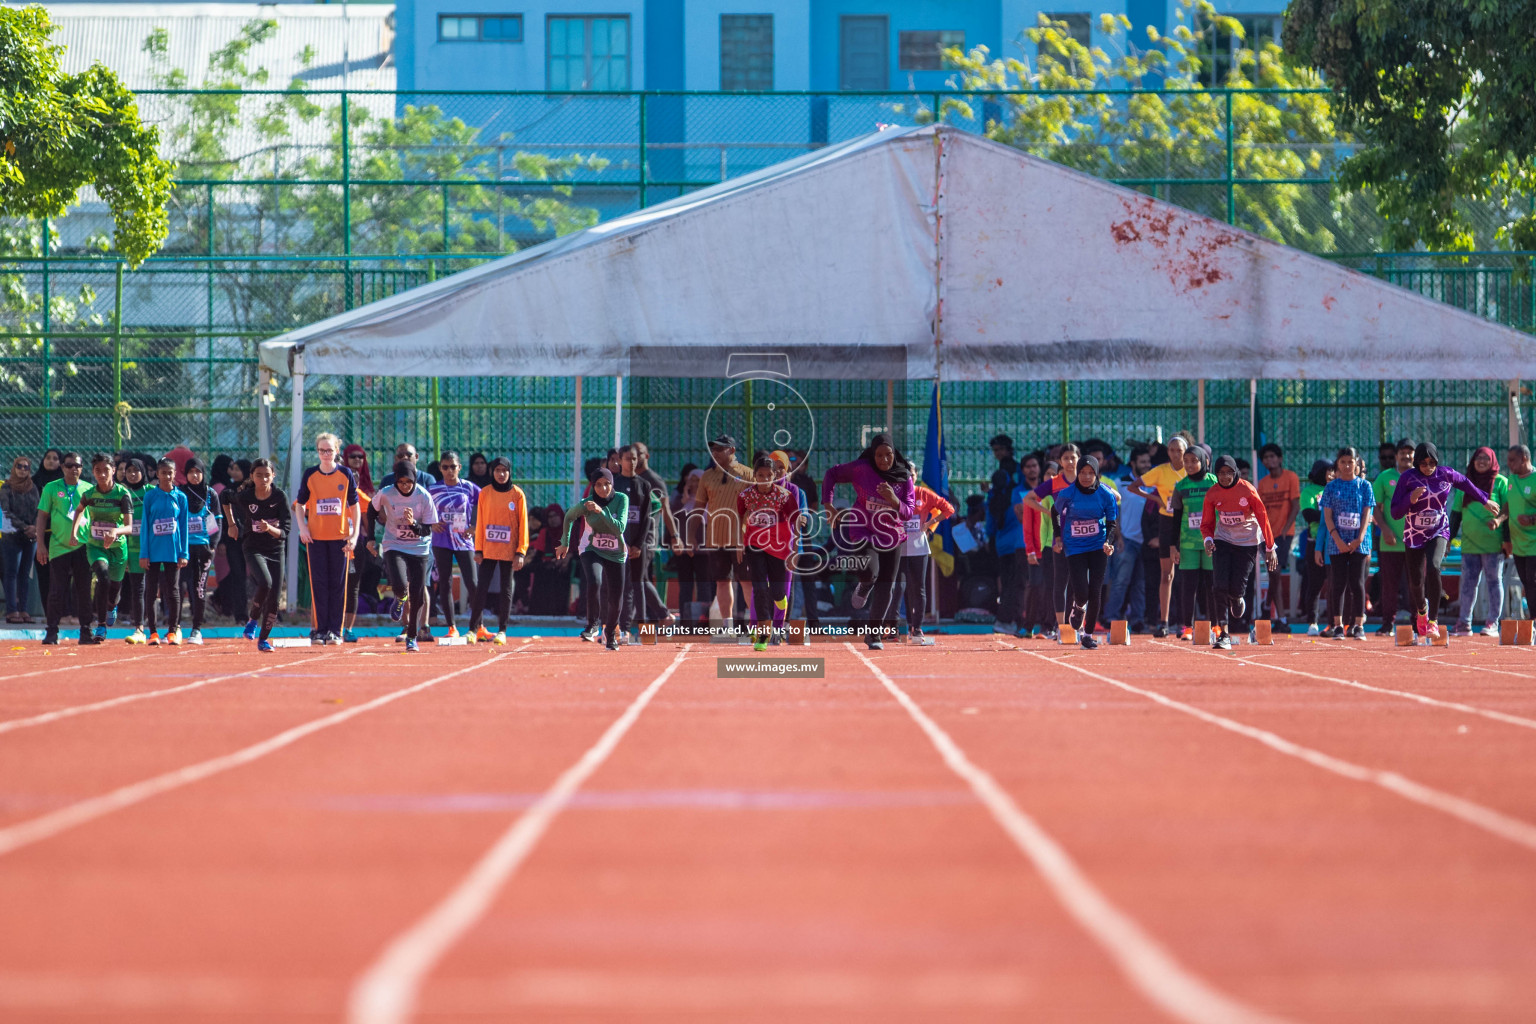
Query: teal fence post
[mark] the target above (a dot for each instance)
(117, 360)
(47, 344)
(1231, 169)
(642, 151)
(346, 196)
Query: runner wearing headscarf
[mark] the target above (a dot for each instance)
(130, 602)
(1233, 524)
(884, 501)
(205, 516)
(1088, 516)
(1346, 504)
(1483, 544)
(355, 458)
(1192, 562)
(1313, 575)
(479, 472)
(605, 512)
(1422, 498)
(501, 542)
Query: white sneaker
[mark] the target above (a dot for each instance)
(1492, 629)
(1312, 630)
(195, 637)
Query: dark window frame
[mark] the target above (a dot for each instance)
(587, 21)
(916, 56)
(747, 73)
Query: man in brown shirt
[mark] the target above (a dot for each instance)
(717, 491)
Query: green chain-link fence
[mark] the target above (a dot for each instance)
(294, 206)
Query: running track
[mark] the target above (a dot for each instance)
(983, 831)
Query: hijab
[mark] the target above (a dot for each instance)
(900, 471)
(1484, 481)
(136, 463)
(219, 476)
(1425, 451)
(1318, 474)
(596, 476)
(404, 471)
(487, 478)
(1230, 463)
(690, 502)
(1088, 462)
(197, 494)
(43, 477)
(490, 474)
(1202, 453)
(364, 475)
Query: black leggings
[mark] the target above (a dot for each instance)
(71, 575)
(266, 571)
(163, 580)
(1347, 577)
(1085, 573)
(1423, 565)
(607, 582)
(107, 590)
(130, 602)
(1313, 578)
(195, 576)
(1525, 568)
(879, 574)
(914, 571)
(636, 599)
(1232, 565)
(408, 579)
(445, 559)
(770, 584)
(486, 572)
(1192, 585)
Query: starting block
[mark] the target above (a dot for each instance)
(648, 634)
(1200, 636)
(1119, 633)
(1403, 635)
(1524, 636)
(1515, 633)
(453, 641)
(1263, 634)
(1441, 637)
(290, 641)
(1066, 634)
(794, 634)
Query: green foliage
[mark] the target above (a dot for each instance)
(1440, 93)
(1180, 133)
(61, 132)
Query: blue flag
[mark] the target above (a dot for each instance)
(935, 456)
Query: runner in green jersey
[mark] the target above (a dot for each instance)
(107, 508)
(1193, 579)
(131, 604)
(1522, 520)
(59, 550)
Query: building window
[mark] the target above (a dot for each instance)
(746, 52)
(924, 51)
(588, 53)
(864, 52)
(1218, 46)
(1079, 26)
(480, 28)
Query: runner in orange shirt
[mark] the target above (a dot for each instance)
(1233, 525)
(501, 542)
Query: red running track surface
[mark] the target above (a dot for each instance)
(981, 831)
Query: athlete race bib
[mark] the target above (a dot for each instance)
(634, 515)
(163, 527)
(404, 532)
(1232, 518)
(762, 518)
(1085, 528)
(914, 527)
(328, 507)
(1426, 520)
(498, 534)
(1194, 520)
(456, 521)
(210, 525)
(605, 542)
(1347, 520)
(101, 531)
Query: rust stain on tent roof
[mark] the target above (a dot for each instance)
(1190, 251)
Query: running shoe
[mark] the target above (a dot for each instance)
(1491, 629)
(100, 636)
(1001, 627)
(612, 643)
(453, 631)
(760, 643)
(348, 637)
(1457, 629)
(1421, 624)
(1386, 629)
(264, 645)
(1357, 633)
(876, 644)
(89, 639)
(401, 638)
(776, 639)
(1222, 642)
(316, 638)
(51, 638)
(111, 616)
(592, 634)
(333, 639)
(1312, 629)
(1184, 633)
(1087, 641)
(174, 637)
(860, 594)
(396, 611)
(154, 638)
(1160, 631)
(624, 640)
(411, 647)
(251, 626)
(482, 636)
(195, 637)
(425, 635)
(500, 639)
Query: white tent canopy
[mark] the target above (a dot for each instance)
(856, 259)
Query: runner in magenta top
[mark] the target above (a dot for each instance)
(885, 498)
(1422, 500)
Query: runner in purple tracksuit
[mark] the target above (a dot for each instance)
(1422, 500)
(876, 525)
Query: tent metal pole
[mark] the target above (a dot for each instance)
(576, 448)
(295, 470)
(1514, 413)
(890, 410)
(264, 414)
(1253, 429)
(1200, 411)
(618, 410)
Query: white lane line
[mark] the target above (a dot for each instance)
(1486, 818)
(35, 830)
(1149, 968)
(1497, 716)
(50, 670)
(80, 709)
(1436, 659)
(387, 991)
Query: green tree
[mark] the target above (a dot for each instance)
(61, 132)
(1059, 107)
(1440, 94)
